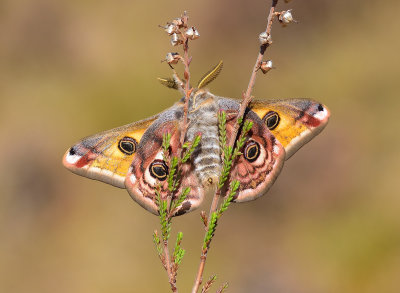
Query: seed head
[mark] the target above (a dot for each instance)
(286, 17)
(178, 22)
(172, 58)
(192, 33)
(175, 40)
(265, 38)
(266, 66)
(170, 29)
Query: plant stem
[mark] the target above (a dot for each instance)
(199, 276)
(186, 75)
(214, 203)
(171, 270)
(204, 252)
(246, 101)
(247, 95)
(168, 265)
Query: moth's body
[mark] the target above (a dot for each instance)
(202, 117)
(130, 156)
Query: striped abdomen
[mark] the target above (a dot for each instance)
(203, 119)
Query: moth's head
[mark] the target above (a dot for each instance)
(294, 122)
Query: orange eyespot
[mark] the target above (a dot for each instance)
(127, 145)
(159, 170)
(251, 151)
(271, 119)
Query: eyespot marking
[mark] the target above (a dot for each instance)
(72, 157)
(251, 151)
(159, 170)
(72, 151)
(127, 145)
(322, 114)
(271, 119)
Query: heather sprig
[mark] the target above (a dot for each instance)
(169, 204)
(208, 284)
(178, 251)
(190, 148)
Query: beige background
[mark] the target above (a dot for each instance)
(69, 69)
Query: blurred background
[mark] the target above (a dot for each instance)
(68, 69)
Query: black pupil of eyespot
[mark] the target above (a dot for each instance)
(159, 170)
(252, 151)
(272, 120)
(127, 145)
(320, 108)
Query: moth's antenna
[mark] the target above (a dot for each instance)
(174, 82)
(169, 82)
(210, 75)
(179, 81)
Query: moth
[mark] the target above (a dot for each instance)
(131, 156)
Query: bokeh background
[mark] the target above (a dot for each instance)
(68, 69)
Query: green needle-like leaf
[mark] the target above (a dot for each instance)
(190, 150)
(157, 243)
(171, 178)
(176, 203)
(178, 251)
(234, 186)
(165, 221)
(222, 129)
(211, 229)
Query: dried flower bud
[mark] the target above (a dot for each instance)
(286, 17)
(172, 58)
(192, 33)
(175, 40)
(178, 22)
(170, 29)
(265, 38)
(266, 66)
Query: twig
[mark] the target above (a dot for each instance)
(247, 95)
(246, 101)
(168, 205)
(168, 265)
(186, 63)
(203, 257)
(208, 284)
(222, 288)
